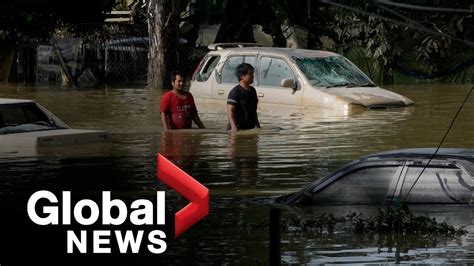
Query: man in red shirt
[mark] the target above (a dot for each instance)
(177, 106)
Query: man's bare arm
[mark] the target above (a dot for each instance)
(164, 121)
(230, 116)
(198, 121)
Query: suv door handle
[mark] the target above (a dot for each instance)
(220, 92)
(260, 94)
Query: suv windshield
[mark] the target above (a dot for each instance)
(333, 71)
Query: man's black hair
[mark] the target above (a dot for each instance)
(176, 73)
(243, 69)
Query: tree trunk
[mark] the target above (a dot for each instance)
(163, 31)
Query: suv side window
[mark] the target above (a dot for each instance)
(273, 70)
(205, 70)
(228, 71)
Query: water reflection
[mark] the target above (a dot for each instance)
(293, 148)
(181, 146)
(243, 154)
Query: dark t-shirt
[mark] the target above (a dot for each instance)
(245, 103)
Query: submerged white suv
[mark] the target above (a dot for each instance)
(296, 77)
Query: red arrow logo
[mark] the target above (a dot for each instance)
(191, 189)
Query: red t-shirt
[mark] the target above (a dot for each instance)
(179, 112)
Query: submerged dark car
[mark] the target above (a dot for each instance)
(384, 178)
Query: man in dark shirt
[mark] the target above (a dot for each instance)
(242, 101)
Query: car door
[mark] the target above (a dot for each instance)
(226, 79)
(271, 71)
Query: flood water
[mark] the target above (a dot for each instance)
(293, 148)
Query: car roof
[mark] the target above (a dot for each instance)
(11, 101)
(423, 153)
(292, 52)
(464, 157)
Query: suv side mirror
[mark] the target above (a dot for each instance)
(288, 83)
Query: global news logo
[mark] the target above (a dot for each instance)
(140, 212)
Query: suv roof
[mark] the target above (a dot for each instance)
(221, 46)
(292, 52)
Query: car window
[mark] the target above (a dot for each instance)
(228, 71)
(17, 114)
(205, 70)
(33, 113)
(273, 70)
(11, 114)
(359, 184)
(439, 184)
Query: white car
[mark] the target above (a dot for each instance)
(26, 125)
(295, 77)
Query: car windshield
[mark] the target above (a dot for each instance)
(26, 117)
(333, 71)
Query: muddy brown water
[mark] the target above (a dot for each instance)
(293, 148)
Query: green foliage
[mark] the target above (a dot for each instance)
(120, 5)
(401, 221)
(387, 221)
(388, 34)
